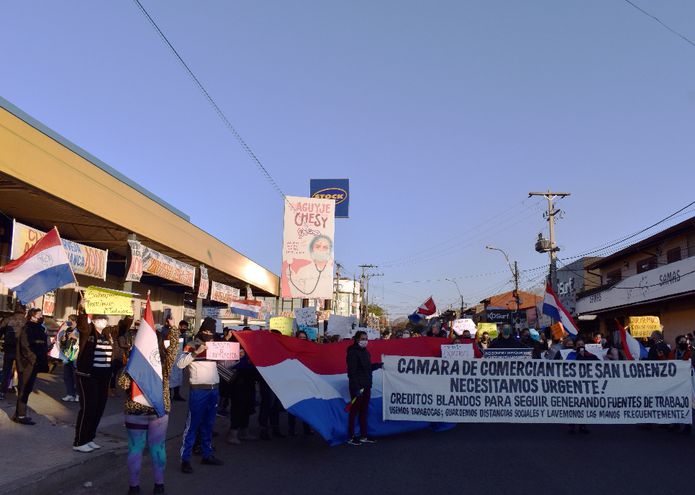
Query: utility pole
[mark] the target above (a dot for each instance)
(364, 292)
(550, 215)
(516, 286)
(336, 292)
(453, 280)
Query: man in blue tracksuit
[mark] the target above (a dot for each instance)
(202, 399)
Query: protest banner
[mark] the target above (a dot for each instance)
(222, 351)
(341, 325)
(167, 267)
(516, 353)
(49, 303)
(84, 260)
(536, 391)
(134, 273)
(204, 283)
(458, 351)
(643, 326)
(463, 324)
(282, 324)
(307, 248)
(490, 328)
(306, 317)
(100, 301)
(223, 293)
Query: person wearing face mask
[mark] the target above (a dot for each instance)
(97, 340)
(505, 340)
(359, 371)
(202, 397)
(32, 358)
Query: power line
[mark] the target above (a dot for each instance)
(215, 106)
(681, 36)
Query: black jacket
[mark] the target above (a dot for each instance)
(32, 348)
(502, 343)
(88, 342)
(359, 367)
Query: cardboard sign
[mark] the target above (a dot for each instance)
(100, 301)
(282, 324)
(463, 324)
(341, 325)
(490, 328)
(306, 317)
(458, 351)
(222, 351)
(643, 326)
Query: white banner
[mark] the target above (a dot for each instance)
(204, 283)
(341, 325)
(307, 248)
(536, 391)
(458, 351)
(223, 293)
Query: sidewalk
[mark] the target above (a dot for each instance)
(40, 457)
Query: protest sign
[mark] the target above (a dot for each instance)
(221, 351)
(372, 334)
(490, 328)
(536, 391)
(100, 301)
(458, 351)
(49, 303)
(595, 349)
(306, 316)
(341, 325)
(167, 267)
(463, 324)
(223, 293)
(307, 248)
(204, 283)
(515, 353)
(282, 324)
(84, 260)
(134, 273)
(312, 333)
(643, 326)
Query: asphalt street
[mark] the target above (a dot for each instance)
(485, 458)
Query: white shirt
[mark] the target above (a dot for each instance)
(201, 372)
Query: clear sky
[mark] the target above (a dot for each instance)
(443, 114)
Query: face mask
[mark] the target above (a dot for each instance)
(506, 333)
(322, 256)
(68, 323)
(362, 343)
(100, 324)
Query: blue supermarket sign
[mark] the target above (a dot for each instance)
(336, 189)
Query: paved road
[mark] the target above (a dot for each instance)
(486, 459)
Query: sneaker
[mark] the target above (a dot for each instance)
(94, 445)
(68, 398)
(158, 489)
(85, 449)
(186, 467)
(23, 420)
(354, 441)
(212, 461)
(367, 440)
(76, 399)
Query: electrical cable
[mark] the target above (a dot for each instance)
(682, 36)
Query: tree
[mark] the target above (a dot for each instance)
(375, 310)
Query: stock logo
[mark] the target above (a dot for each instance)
(336, 193)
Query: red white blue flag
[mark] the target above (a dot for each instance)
(145, 365)
(554, 308)
(246, 307)
(427, 308)
(43, 268)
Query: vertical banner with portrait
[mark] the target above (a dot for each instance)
(307, 248)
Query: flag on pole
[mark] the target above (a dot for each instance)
(554, 308)
(44, 267)
(634, 351)
(246, 307)
(145, 365)
(427, 308)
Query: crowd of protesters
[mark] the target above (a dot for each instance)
(94, 354)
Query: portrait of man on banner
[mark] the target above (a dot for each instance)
(308, 256)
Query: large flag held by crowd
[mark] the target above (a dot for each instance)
(554, 308)
(44, 267)
(311, 379)
(145, 365)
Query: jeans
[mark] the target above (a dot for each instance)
(69, 378)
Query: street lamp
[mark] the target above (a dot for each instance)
(459, 291)
(515, 274)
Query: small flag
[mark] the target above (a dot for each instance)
(145, 365)
(44, 267)
(427, 308)
(554, 308)
(634, 351)
(246, 307)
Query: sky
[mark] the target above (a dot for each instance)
(443, 115)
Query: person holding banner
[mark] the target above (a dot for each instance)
(143, 425)
(359, 371)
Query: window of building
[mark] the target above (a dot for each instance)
(614, 277)
(673, 255)
(646, 264)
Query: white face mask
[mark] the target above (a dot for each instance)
(100, 324)
(362, 343)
